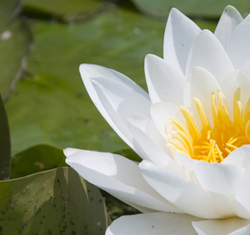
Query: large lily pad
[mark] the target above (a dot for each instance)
(56, 202)
(8, 11)
(36, 158)
(193, 8)
(15, 44)
(52, 105)
(65, 10)
(5, 152)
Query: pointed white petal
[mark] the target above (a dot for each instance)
(164, 82)
(188, 166)
(242, 202)
(120, 102)
(112, 84)
(208, 53)
(221, 181)
(187, 196)
(246, 69)
(119, 177)
(231, 83)
(239, 157)
(200, 84)
(229, 20)
(179, 35)
(153, 224)
(150, 143)
(232, 226)
(69, 151)
(238, 47)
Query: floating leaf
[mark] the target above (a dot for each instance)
(65, 10)
(192, 8)
(55, 202)
(9, 9)
(15, 44)
(36, 158)
(5, 153)
(52, 105)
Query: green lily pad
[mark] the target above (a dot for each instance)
(56, 202)
(192, 8)
(52, 104)
(8, 11)
(36, 158)
(5, 152)
(65, 10)
(15, 45)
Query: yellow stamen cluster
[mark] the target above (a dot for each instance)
(211, 144)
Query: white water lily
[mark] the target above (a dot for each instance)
(192, 132)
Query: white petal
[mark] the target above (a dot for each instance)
(200, 84)
(231, 83)
(187, 196)
(221, 181)
(232, 226)
(151, 144)
(246, 69)
(179, 35)
(161, 114)
(104, 77)
(153, 224)
(239, 157)
(238, 47)
(207, 52)
(69, 151)
(229, 20)
(120, 102)
(118, 176)
(164, 82)
(188, 166)
(242, 202)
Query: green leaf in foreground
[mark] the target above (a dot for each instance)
(36, 158)
(5, 153)
(55, 202)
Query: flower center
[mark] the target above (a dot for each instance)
(212, 144)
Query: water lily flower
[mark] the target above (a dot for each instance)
(192, 132)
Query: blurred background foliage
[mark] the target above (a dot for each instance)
(42, 44)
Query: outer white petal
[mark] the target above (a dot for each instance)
(229, 20)
(221, 181)
(239, 157)
(232, 226)
(153, 224)
(120, 102)
(150, 143)
(187, 196)
(179, 35)
(164, 82)
(124, 90)
(242, 202)
(69, 151)
(200, 84)
(238, 47)
(208, 53)
(120, 177)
